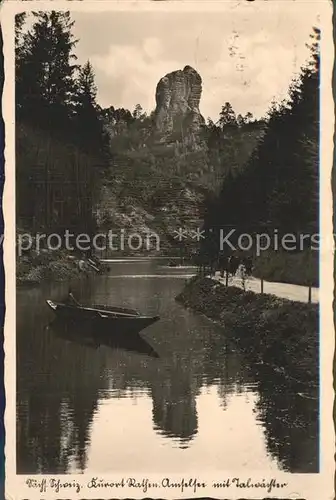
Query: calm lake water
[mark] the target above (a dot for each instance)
(200, 405)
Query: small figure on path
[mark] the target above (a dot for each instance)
(233, 264)
(248, 263)
(82, 264)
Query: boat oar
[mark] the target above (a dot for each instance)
(92, 264)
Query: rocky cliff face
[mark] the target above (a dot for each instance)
(178, 96)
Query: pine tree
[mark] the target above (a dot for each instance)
(227, 116)
(86, 87)
(138, 112)
(248, 117)
(45, 72)
(88, 121)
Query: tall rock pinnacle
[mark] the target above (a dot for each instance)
(178, 96)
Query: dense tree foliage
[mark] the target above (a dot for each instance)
(88, 123)
(169, 179)
(278, 188)
(60, 140)
(45, 87)
(84, 165)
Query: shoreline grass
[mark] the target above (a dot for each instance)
(270, 330)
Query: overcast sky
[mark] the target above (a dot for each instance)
(246, 56)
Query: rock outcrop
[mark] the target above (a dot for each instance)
(177, 111)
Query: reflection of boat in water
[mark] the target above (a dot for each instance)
(103, 318)
(87, 334)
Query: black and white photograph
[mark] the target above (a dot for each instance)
(169, 289)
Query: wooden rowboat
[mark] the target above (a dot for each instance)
(120, 319)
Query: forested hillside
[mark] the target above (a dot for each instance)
(90, 168)
(278, 189)
(165, 184)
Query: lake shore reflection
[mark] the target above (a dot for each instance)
(108, 408)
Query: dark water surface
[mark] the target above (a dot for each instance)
(199, 406)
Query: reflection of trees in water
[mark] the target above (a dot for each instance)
(176, 378)
(60, 382)
(174, 411)
(287, 410)
(172, 385)
(173, 394)
(290, 421)
(186, 365)
(223, 368)
(56, 398)
(52, 435)
(174, 403)
(290, 416)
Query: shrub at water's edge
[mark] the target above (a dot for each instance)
(279, 332)
(34, 269)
